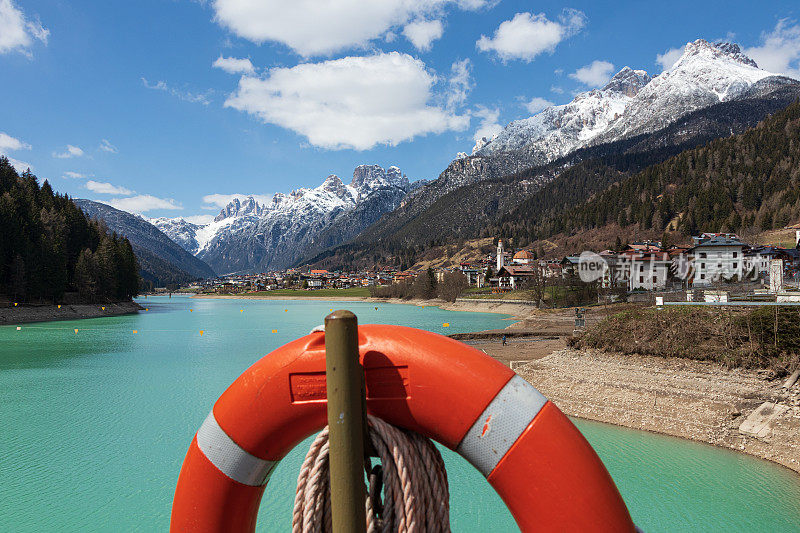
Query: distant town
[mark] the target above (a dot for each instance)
(720, 263)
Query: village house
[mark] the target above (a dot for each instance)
(647, 271)
(717, 257)
(514, 276)
(476, 276)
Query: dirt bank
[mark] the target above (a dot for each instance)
(696, 400)
(22, 313)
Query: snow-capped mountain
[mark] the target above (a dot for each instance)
(713, 90)
(632, 103)
(249, 235)
(179, 231)
(706, 74)
(558, 130)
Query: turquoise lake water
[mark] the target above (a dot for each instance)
(94, 426)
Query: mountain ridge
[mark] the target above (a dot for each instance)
(248, 235)
(162, 261)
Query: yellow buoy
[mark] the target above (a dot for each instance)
(103, 308)
(136, 331)
(241, 310)
(146, 309)
(446, 325)
(331, 309)
(201, 332)
(285, 310)
(190, 310)
(15, 304)
(274, 331)
(59, 306)
(76, 331)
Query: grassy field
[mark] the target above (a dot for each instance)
(356, 292)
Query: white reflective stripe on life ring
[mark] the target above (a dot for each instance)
(501, 424)
(229, 458)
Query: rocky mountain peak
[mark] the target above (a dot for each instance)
(364, 174)
(369, 177)
(239, 208)
(628, 82)
(714, 51)
(480, 143)
(336, 186)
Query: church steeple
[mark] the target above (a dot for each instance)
(500, 261)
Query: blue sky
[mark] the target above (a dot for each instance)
(121, 102)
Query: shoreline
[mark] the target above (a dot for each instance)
(26, 314)
(694, 400)
(516, 310)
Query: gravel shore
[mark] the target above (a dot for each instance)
(23, 313)
(691, 399)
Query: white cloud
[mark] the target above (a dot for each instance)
(234, 65)
(313, 27)
(74, 175)
(422, 33)
(142, 203)
(668, 58)
(595, 74)
(101, 187)
(536, 104)
(527, 35)
(16, 33)
(70, 152)
(460, 82)
(489, 126)
(186, 96)
(353, 102)
(108, 147)
(19, 166)
(9, 143)
(556, 89)
(779, 50)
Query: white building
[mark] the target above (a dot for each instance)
(501, 260)
(647, 271)
(717, 258)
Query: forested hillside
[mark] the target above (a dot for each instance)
(162, 262)
(48, 247)
(747, 181)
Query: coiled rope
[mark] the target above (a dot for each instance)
(412, 477)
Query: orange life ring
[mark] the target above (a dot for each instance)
(535, 458)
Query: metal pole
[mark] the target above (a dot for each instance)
(345, 387)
